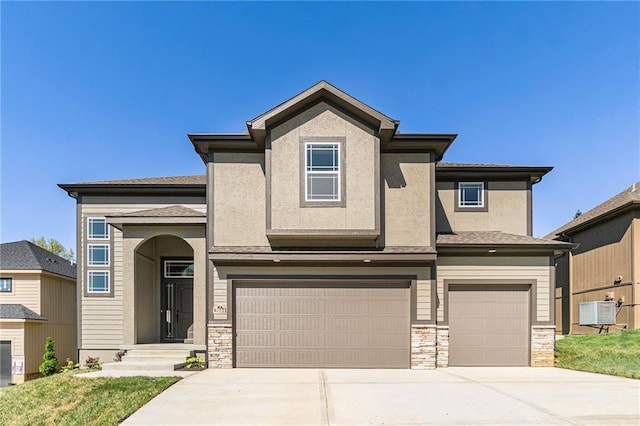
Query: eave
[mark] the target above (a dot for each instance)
(629, 206)
(420, 142)
(75, 190)
(532, 174)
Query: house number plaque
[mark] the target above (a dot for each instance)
(220, 309)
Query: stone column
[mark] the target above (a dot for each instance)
(543, 338)
(220, 346)
(423, 346)
(442, 346)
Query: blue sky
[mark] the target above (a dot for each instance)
(109, 90)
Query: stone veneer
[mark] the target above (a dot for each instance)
(442, 346)
(423, 346)
(543, 339)
(220, 346)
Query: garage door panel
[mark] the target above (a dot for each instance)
(322, 325)
(489, 325)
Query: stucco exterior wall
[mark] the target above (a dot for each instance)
(134, 237)
(501, 268)
(287, 179)
(507, 209)
(407, 199)
(239, 200)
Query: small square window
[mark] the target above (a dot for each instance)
(6, 285)
(471, 194)
(98, 229)
(98, 282)
(98, 255)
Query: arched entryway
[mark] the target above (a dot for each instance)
(163, 282)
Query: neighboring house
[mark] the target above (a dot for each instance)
(37, 300)
(322, 237)
(605, 263)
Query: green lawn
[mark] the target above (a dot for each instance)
(69, 400)
(617, 354)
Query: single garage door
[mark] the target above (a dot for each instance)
(489, 325)
(322, 325)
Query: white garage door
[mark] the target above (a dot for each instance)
(322, 325)
(489, 325)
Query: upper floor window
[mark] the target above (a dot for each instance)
(98, 255)
(98, 228)
(322, 171)
(6, 285)
(471, 194)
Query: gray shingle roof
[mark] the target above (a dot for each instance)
(444, 165)
(164, 180)
(629, 196)
(171, 211)
(24, 255)
(16, 311)
(470, 238)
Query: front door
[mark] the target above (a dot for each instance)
(177, 299)
(5, 362)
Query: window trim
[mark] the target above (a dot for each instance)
(342, 165)
(108, 257)
(109, 290)
(89, 237)
(10, 285)
(485, 197)
(183, 261)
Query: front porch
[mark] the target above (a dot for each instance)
(157, 358)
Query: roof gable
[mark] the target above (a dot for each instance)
(322, 91)
(628, 198)
(26, 256)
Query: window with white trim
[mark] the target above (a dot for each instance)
(322, 171)
(6, 285)
(178, 268)
(471, 194)
(97, 228)
(98, 282)
(98, 255)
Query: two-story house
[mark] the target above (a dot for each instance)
(321, 237)
(37, 300)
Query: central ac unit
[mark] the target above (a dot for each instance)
(597, 313)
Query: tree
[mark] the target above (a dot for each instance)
(578, 213)
(54, 246)
(48, 367)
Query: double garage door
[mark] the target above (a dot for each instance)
(340, 325)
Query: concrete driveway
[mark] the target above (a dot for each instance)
(395, 397)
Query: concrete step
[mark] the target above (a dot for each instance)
(156, 353)
(154, 360)
(128, 366)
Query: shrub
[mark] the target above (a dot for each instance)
(194, 362)
(93, 363)
(70, 366)
(48, 367)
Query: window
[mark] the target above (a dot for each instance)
(6, 285)
(98, 228)
(98, 282)
(178, 268)
(98, 255)
(471, 194)
(322, 171)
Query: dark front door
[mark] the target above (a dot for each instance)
(5, 363)
(177, 302)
